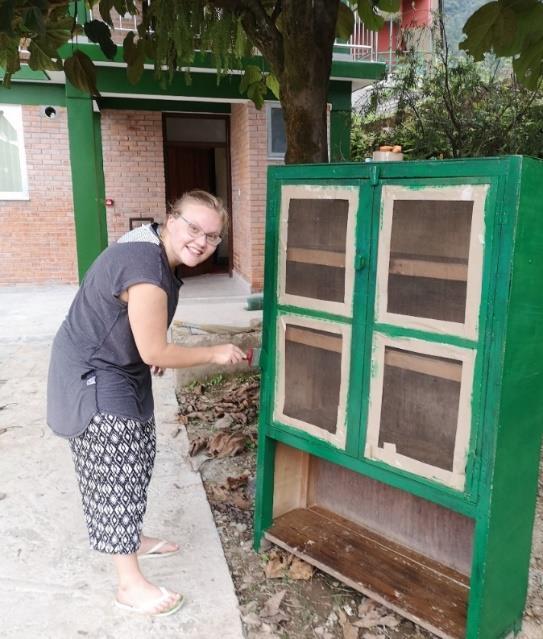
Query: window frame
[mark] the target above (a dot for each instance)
(23, 194)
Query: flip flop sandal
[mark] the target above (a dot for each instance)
(146, 610)
(154, 551)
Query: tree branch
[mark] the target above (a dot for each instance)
(259, 27)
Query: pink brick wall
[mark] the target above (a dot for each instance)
(134, 176)
(249, 165)
(133, 167)
(37, 243)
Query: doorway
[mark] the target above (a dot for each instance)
(197, 156)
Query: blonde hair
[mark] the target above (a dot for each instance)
(200, 197)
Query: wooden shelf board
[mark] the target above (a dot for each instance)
(327, 342)
(425, 365)
(316, 256)
(433, 268)
(423, 590)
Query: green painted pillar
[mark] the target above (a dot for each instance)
(340, 136)
(87, 178)
(339, 96)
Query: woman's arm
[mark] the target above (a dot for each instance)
(148, 317)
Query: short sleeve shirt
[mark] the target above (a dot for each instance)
(95, 365)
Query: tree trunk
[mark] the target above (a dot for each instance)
(308, 41)
(301, 58)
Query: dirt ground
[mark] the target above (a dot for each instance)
(281, 596)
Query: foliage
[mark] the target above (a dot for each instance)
(449, 108)
(295, 38)
(509, 28)
(168, 33)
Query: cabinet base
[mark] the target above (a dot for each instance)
(418, 588)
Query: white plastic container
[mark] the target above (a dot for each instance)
(387, 156)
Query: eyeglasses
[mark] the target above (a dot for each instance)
(195, 231)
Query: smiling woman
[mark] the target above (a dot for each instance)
(99, 387)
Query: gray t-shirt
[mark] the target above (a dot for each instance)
(95, 365)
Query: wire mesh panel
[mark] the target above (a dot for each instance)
(428, 265)
(420, 408)
(312, 377)
(431, 257)
(317, 247)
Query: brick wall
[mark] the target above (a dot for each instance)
(249, 165)
(133, 167)
(37, 243)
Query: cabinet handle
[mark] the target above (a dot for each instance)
(360, 262)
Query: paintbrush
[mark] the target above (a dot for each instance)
(253, 356)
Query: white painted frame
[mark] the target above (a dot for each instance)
(319, 192)
(457, 477)
(15, 115)
(338, 438)
(464, 192)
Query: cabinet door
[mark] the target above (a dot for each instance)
(316, 247)
(312, 368)
(430, 258)
(420, 408)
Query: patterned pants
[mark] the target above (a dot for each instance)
(114, 460)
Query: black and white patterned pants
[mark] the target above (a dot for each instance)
(114, 460)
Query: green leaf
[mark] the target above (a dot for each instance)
(105, 7)
(97, 31)
(273, 84)
(58, 32)
(391, 6)
(251, 75)
(120, 7)
(81, 72)
(366, 11)
(257, 92)
(134, 56)
(345, 22)
(41, 57)
(6, 16)
(528, 66)
(479, 30)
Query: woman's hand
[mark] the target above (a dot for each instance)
(226, 354)
(156, 370)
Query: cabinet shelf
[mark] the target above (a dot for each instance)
(419, 588)
(316, 340)
(429, 266)
(321, 257)
(423, 364)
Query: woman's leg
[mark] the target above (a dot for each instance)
(134, 589)
(114, 459)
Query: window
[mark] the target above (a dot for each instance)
(277, 138)
(13, 178)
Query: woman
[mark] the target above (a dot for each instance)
(99, 387)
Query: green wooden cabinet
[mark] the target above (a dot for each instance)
(402, 392)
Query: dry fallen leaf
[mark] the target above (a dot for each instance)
(276, 566)
(365, 607)
(390, 621)
(226, 444)
(300, 569)
(234, 483)
(197, 445)
(272, 605)
(349, 630)
(369, 620)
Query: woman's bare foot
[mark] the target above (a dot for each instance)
(160, 546)
(144, 596)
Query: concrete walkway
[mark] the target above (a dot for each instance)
(52, 585)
